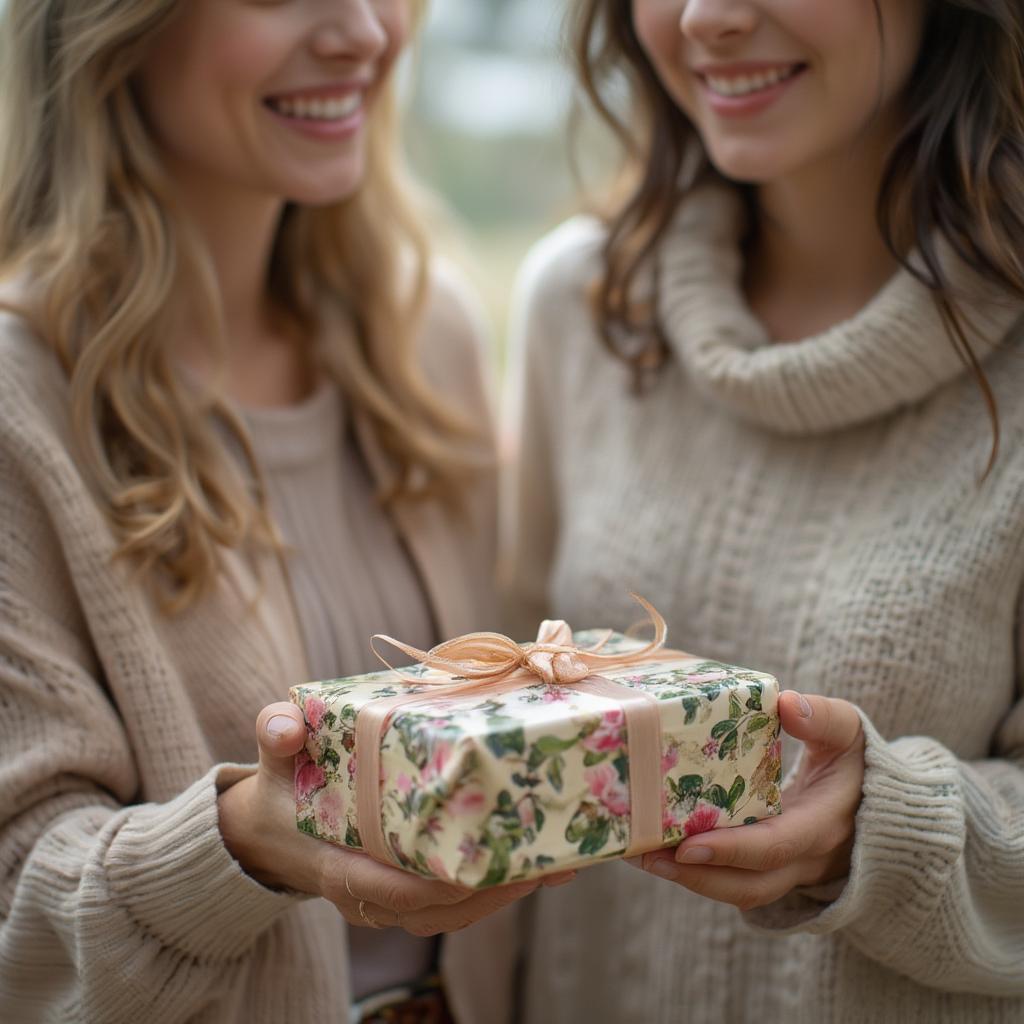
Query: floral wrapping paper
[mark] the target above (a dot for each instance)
(483, 790)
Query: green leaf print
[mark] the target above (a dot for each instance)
(512, 741)
(592, 757)
(735, 708)
(728, 745)
(757, 722)
(717, 795)
(691, 705)
(549, 745)
(308, 826)
(554, 773)
(754, 700)
(689, 786)
(622, 767)
(329, 756)
(596, 837)
(497, 870)
(735, 792)
(719, 729)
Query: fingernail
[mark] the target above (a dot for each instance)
(803, 706)
(664, 869)
(280, 725)
(695, 855)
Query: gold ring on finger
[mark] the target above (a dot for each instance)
(366, 917)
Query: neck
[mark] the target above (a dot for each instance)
(263, 364)
(818, 256)
(238, 230)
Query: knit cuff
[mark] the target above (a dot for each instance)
(169, 869)
(910, 833)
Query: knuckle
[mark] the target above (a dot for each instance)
(397, 895)
(778, 855)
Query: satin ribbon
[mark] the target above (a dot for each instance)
(494, 664)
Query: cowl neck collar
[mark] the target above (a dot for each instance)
(893, 353)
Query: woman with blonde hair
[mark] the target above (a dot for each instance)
(223, 468)
(777, 390)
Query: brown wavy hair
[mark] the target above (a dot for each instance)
(87, 219)
(955, 172)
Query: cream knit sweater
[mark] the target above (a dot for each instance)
(118, 727)
(814, 510)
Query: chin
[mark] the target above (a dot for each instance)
(327, 192)
(749, 165)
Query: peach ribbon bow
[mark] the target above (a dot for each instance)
(496, 664)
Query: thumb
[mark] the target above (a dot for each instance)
(281, 734)
(826, 725)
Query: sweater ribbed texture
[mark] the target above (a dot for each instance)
(812, 509)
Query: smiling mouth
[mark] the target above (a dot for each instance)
(751, 83)
(316, 109)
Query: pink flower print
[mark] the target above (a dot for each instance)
(309, 776)
(706, 677)
(315, 710)
(605, 784)
(555, 693)
(467, 800)
(670, 819)
(404, 784)
(710, 748)
(438, 760)
(608, 735)
(470, 850)
(669, 759)
(527, 814)
(703, 819)
(329, 811)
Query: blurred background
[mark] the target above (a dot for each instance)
(488, 100)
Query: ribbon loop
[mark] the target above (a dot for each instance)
(482, 659)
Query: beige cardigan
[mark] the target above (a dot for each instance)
(119, 727)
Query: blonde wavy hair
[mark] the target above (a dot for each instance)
(87, 218)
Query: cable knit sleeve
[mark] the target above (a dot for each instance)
(111, 910)
(936, 886)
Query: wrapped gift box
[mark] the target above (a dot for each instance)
(531, 777)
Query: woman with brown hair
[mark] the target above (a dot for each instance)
(242, 428)
(777, 391)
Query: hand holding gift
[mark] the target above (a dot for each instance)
(257, 820)
(811, 844)
(492, 762)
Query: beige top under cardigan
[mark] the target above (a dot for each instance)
(814, 510)
(118, 728)
(350, 577)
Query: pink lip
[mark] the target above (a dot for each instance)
(753, 103)
(336, 90)
(316, 128)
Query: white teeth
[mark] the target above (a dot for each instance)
(316, 109)
(744, 85)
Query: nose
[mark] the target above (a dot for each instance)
(353, 30)
(717, 21)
